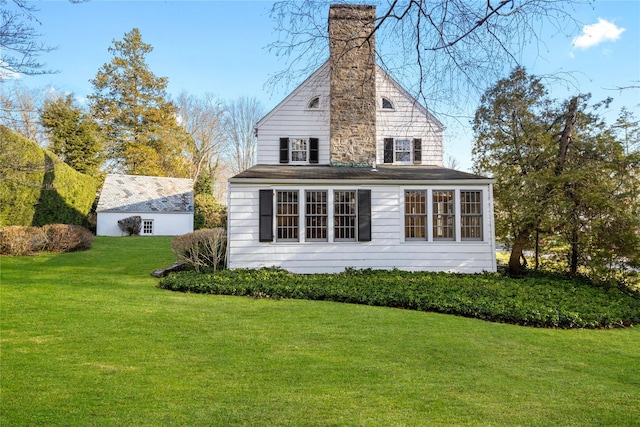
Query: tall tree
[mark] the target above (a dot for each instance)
(241, 115)
(559, 171)
(139, 124)
(466, 44)
(513, 144)
(73, 135)
(202, 118)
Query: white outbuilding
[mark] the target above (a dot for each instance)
(165, 205)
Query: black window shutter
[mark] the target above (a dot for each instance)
(417, 151)
(388, 150)
(266, 216)
(313, 150)
(284, 150)
(364, 215)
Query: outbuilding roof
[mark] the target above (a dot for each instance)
(135, 193)
(380, 174)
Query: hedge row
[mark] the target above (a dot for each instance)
(37, 188)
(540, 301)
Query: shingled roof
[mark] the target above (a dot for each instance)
(134, 193)
(381, 174)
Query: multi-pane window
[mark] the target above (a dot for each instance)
(402, 150)
(344, 215)
(415, 215)
(471, 215)
(147, 226)
(287, 215)
(443, 215)
(298, 150)
(316, 215)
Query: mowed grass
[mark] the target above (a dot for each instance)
(88, 339)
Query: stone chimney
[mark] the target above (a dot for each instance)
(352, 84)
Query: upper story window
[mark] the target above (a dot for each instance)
(299, 150)
(314, 104)
(387, 104)
(403, 151)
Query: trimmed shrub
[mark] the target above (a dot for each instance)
(19, 240)
(131, 225)
(203, 250)
(67, 238)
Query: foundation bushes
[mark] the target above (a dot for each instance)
(203, 250)
(541, 300)
(23, 240)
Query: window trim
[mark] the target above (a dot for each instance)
(305, 150)
(479, 215)
(390, 151)
(314, 103)
(456, 216)
(312, 150)
(322, 217)
(287, 222)
(448, 216)
(269, 215)
(424, 215)
(384, 101)
(143, 228)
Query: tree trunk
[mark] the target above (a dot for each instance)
(519, 244)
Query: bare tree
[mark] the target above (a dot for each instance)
(202, 119)
(439, 49)
(452, 162)
(19, 111)
(241, 115)
(18, 40)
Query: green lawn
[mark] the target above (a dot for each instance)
(88, 339)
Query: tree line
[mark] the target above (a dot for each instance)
(130, 124)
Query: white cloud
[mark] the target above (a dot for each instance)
(597, 33)
(7, 73)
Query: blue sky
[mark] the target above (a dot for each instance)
(219, 47)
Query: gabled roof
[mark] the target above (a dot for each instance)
(309, 79)
(407, 95)
(323, 69)
(134, 193)
(382, 175)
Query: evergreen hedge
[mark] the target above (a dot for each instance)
(37, 188)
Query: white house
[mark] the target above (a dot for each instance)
(350, 174)
(165, 205)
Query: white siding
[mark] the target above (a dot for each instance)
(291, 118)
(386, 250)
(407, 120)
(164, 224)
